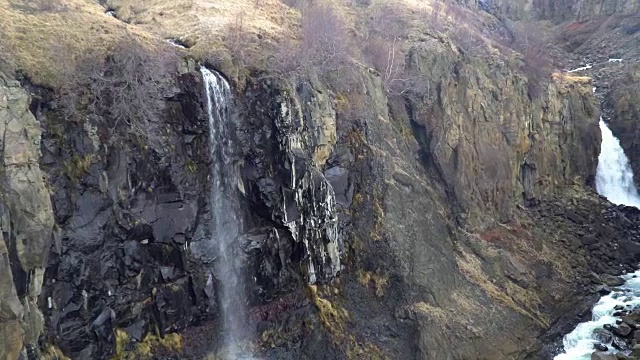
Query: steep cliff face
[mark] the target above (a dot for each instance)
(492, 144)
(434, 180)
(429, 200)
(563, 10)
(621, 104)
(127, 211)
(406, 201)
(27, 223)
(465, 208)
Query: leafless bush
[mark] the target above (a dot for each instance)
(385, 49)
(447, 10)
(325, 48)
(325, 43)
(126, 88)
(238, 40)
(530, 42)
(388, 58)
(47, 5)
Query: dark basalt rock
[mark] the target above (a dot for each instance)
(622, 330)
(600, 347)
(134, 250)
(620, 344)
(603, 336)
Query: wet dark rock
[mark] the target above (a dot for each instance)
(600, 347)
(599, 355)
(578, 219)
(632, 319)
(603, 289)
(622, 330)
(103, 325)
(620, 344)
(603, 336)
(612, 281)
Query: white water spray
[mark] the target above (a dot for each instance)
(614, 177)
(579, 344)
(225, 223)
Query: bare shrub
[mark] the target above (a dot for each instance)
(531, 43)
(325, 44)
(388, 58)
(46, 5)
(385, 49)
(325, 48)
(238, 40)
(127, 88)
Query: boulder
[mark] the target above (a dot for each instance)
(600, 347)
(601, 355)
(611, 280)
(602, 335)
(622, 330)
(620, 344)
(603, 289)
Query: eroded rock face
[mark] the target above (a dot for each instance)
(491, 143)
(26, 222)
(563, 10)
(134, 251)
(434, 211)
(287, 138)
(624, 114)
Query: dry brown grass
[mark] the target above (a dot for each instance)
(566, 77)
(41, 43)
(516, 298)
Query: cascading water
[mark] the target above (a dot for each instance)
(614, 177)
(614, 180)
(225, 209)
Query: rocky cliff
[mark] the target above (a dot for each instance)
(563, 10)
(27, 223)
(370, 218)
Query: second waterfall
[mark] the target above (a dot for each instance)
(226, 222)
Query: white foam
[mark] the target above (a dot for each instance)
(578, 344)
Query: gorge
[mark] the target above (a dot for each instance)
(325, 179)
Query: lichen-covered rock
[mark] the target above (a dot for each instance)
(26, 221)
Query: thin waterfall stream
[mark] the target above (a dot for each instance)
(614, 180)
(226, 222)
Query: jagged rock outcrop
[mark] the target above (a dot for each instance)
(623, 114)
(26, 223)
(492, 152)
(133, 254)
(562, 10)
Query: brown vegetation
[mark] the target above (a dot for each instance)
(127, 87)
(530, 42)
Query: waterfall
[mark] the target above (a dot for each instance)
(614, 177)
(614, 180)
(225, 210)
